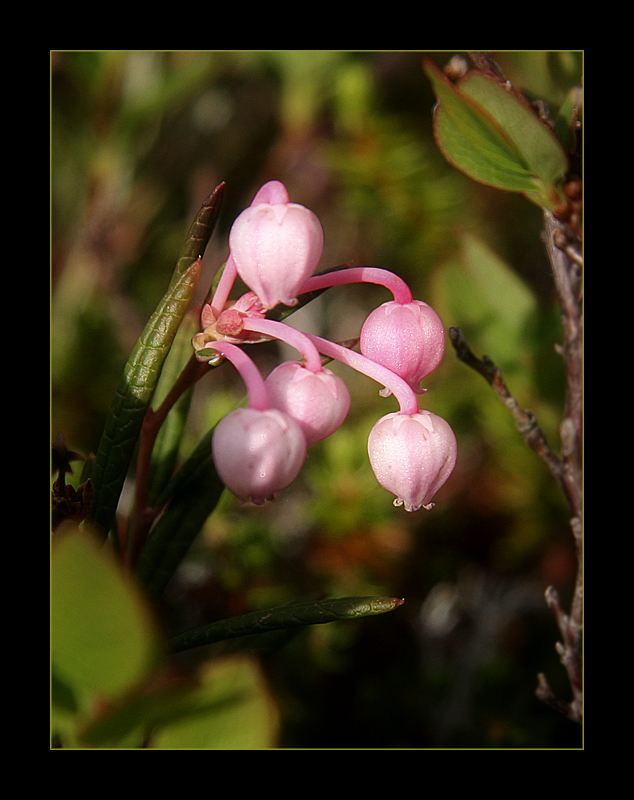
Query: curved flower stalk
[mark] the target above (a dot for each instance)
(382, 277)
(392, 383)
(404, 334)
(412, 452)
(259, 450)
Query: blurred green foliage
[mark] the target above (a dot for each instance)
(139, 139)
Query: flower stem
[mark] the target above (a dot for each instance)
(406, 397)
(250, 374)
(382, 277)
(279, 330)
(221, 295)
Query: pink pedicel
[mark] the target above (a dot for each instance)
(276, 246)
(318, 401)
(258, 453)
(412, 456)
(407, 338)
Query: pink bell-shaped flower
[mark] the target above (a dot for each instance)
(412, 456)
(318, 401)
(258, 453)
(276, 245)
(407, 338)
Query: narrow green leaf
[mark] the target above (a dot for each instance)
(142, 371)
(200, 232)
(294, 615)
(475, 164)
(133, 396)
(167, 445)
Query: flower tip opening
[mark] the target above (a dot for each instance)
(412, 456)
(273, 193)
(398, 502)
(276, 247)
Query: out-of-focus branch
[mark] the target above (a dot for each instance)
(524, 419)
(563, 246)
(564, 251)
(565, 257)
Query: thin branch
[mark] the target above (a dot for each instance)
(560, 242)
(564, 251)
(563, 246)
(570, 655)
(143, 515)
(525, 421)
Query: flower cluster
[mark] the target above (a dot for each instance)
(275, 247)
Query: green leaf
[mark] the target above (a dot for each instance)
(142, 371)
(226, 706)
(128, 723)
(232, 710)
(491, 303)
(495, 138)
(199, 233)
(133, 396)
(567, 118)
(167, 446)
(535, 142)
(293, 615)
(472, 138)
(104, 639)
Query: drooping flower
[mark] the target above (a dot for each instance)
(318, 401)
(408, 338)
(412, 456)
(257, 453)
(276, 246)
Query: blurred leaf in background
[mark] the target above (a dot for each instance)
(105, 639)
(139, 139)
(234, 711)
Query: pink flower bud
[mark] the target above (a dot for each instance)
(318, 401)
(412, 456)
(258, 453)
(407, 338)
(276, 246)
